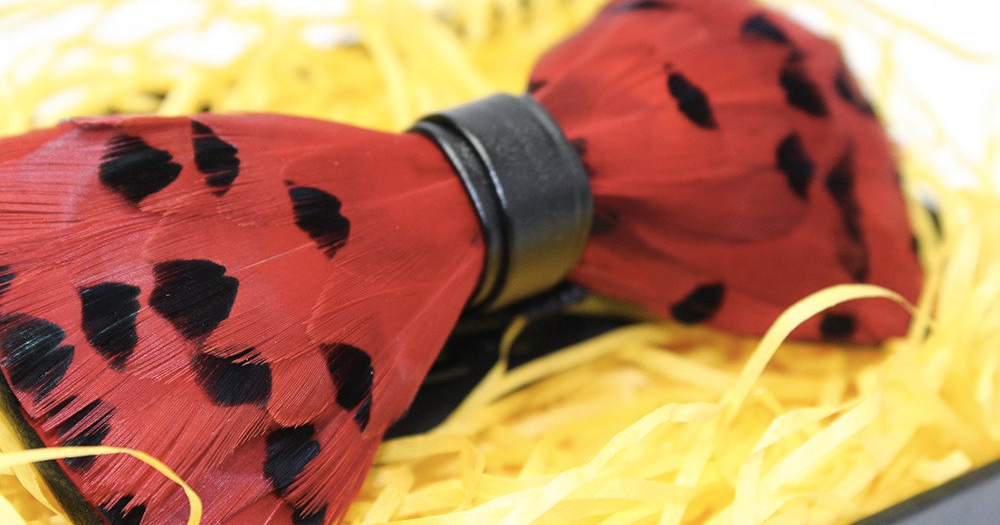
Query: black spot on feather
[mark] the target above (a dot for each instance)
(318, 214)
(700, 305)
(796, 164)
(852, 254)
(300, 517)
(33, 354)
(136, 170)
(6, 276)
(59, 407)
(109, 313)
(194, 295)
(691, 100)
(580, 145)
(74, 432)
(800, 91)
(837, 327)
(363, 414)
(352, 373)
(759, 26)
(535, 84)
(234, 380)
(848, 90)
(214, 157)
(118, 515)
(604, 221)
(289, 450)
(642, 5)
(68, 424)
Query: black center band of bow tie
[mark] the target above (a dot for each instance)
(528, 186)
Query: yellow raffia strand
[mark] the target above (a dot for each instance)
(650, 424)
(25, 457)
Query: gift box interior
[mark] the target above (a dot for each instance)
(637, 420)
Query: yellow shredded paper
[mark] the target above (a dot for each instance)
(650, 424)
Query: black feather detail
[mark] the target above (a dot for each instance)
(214, 157)
(534, 85)
(837, 327)
(852, 254)
(109, 313)
(363, 413)
(848, 91)
(318, 517)
(6, 277)
(759, 26)
(289, 450)
(92, 434)
(117, 515)
(796, 164)
(318, 214)
(234, 380)
(691, 100)
(800, 91)
(32, 352)
(352, 373)
(700, 305)
(134, 169)
(194, 295)
(642, 5)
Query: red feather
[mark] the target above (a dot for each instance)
(255, 299)
(787, 186)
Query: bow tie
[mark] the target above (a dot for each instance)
(254, 299)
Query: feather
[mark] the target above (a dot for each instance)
(800, 178)
(188, 305)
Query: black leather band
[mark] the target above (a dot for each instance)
(528, 187)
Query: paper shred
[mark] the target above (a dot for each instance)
(9, 513)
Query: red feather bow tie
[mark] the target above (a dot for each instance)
(255, 299)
